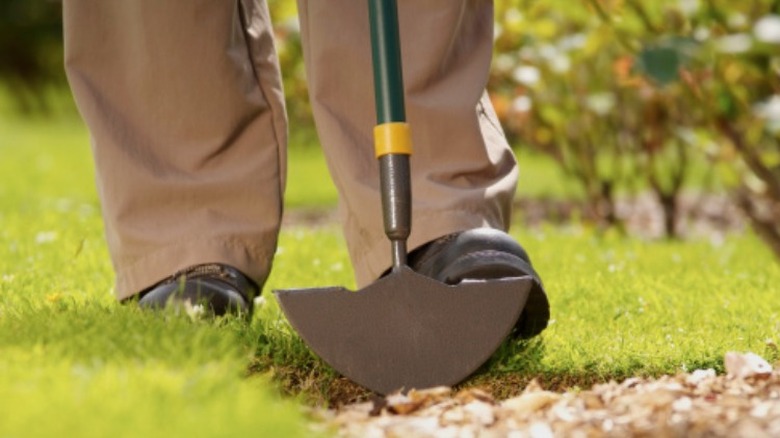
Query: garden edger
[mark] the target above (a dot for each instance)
(404, 330)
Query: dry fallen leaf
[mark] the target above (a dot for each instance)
(698, 377)
(696, 404)
(469, 395)
(530, 402)
(745, 365)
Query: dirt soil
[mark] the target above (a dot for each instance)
(745, 402)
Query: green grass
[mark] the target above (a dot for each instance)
(71, 359)
(308, 182)
(74, 361)
(625, 306)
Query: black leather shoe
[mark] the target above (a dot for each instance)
(484, 254)
(220, 289)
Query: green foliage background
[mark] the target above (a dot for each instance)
(623, 95)
(626, 93)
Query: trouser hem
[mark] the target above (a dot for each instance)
(251, 260)
(427, 227)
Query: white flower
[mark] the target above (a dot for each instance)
(770, 109)
(767, 29)
(734, 44)
(526, 75)
(548, 51)
(600, 103)
(513, 16)
(560, 63)
(701, 33)
(522, 104)
(503, 62)
(573, 42)
(689, 7)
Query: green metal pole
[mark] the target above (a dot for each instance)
(394, 169)
(386, 49)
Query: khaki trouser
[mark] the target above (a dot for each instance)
(184, 102)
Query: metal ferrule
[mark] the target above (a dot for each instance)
(394, 174)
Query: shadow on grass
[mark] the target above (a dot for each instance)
(301, 374)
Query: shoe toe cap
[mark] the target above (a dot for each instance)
(216, 297)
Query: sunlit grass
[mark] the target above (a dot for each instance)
(72, 360)
(620, 306)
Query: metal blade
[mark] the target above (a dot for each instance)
(406, 330)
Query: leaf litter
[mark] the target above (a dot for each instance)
(744, 402)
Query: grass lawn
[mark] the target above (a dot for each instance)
(73, 361)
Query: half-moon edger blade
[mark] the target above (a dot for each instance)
(406, 330)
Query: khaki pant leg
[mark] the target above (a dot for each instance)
(463, 172)
(185, 107)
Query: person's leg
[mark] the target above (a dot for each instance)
(463, 171)
(184, 103)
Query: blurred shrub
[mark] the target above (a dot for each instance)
(565, 81)
(623, 93)
(30, 51)
(31, 54)
(296, 90)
